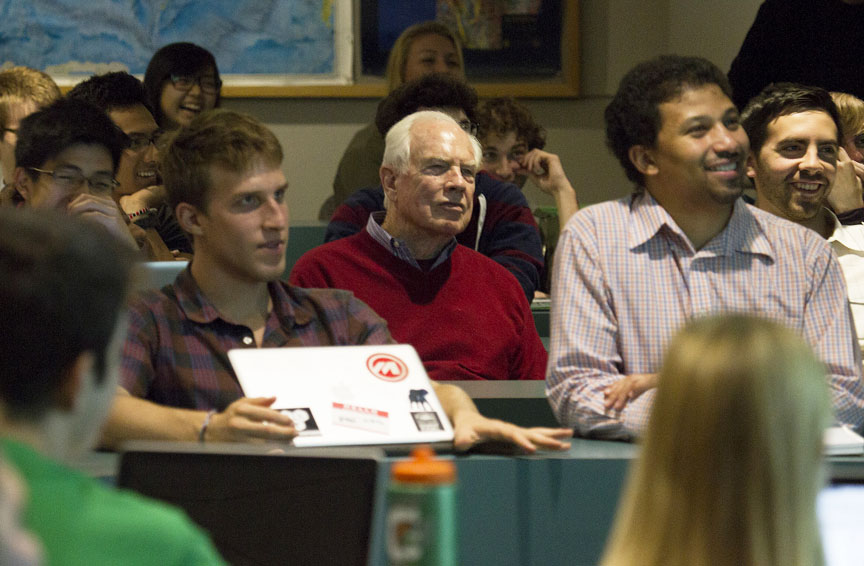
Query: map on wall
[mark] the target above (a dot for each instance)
(263, 41)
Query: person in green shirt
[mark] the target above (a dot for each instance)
(63, 292)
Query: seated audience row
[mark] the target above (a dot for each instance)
(424, 48)
(139, 191)
(501, 225)
(224, 178)
(464, 313)
(629, 273)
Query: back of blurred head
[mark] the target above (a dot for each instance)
(435, 91)
(730, 465)
(64, 287)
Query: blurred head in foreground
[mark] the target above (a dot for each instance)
(731, 462)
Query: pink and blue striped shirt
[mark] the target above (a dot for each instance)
(626, 278)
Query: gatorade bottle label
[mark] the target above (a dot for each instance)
(405, 535)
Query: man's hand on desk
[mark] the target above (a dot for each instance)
(250, 420)
(470, 428)
(627, 389)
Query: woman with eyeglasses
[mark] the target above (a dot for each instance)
(182, 81)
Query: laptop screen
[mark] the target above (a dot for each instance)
(840, 509)
(265, 509)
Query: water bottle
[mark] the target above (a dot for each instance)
(421, 511)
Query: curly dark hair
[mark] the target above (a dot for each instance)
(503, 114)
(111, 91)
(633, 116)
(781, 99)
(435, 90)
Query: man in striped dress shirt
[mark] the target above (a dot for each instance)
(629, 273)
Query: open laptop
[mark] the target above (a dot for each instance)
(297, 506)
(348, 395)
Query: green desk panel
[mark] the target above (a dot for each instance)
(301, 239)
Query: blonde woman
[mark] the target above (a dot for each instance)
(422, 49)
(851, 110)
(731, 461)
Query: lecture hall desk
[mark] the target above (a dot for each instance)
(544, 510)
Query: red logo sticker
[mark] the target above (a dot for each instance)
(387, 367)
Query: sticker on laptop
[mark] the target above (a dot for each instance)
(425, 417)
(304, 422)
(363, 418)
(387, 367)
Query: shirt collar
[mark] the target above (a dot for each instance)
(837, 232)
(743, 233)
(398, 247)
(198, 308)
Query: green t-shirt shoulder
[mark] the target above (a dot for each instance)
(80, 521)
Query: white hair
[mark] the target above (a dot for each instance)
(397, 150)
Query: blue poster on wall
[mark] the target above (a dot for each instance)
(247, 37)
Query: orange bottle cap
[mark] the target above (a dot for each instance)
(424, 468)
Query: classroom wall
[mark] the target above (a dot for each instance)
(615, 34)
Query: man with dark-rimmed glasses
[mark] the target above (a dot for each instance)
(66, 157)
(140, 192)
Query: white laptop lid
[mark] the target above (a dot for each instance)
(345, 395)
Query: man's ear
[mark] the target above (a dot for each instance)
(23, 183)
(388, 182)
(642, 158)
(66, 395)
(751, 166)
(189, 218)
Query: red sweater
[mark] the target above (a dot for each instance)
(468, 318)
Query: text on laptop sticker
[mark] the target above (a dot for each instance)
(364, 418)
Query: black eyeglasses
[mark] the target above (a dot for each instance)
(208, 83)
(469, 126)
(137, 142)
(71, 178)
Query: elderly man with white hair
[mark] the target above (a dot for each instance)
(465, 314)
